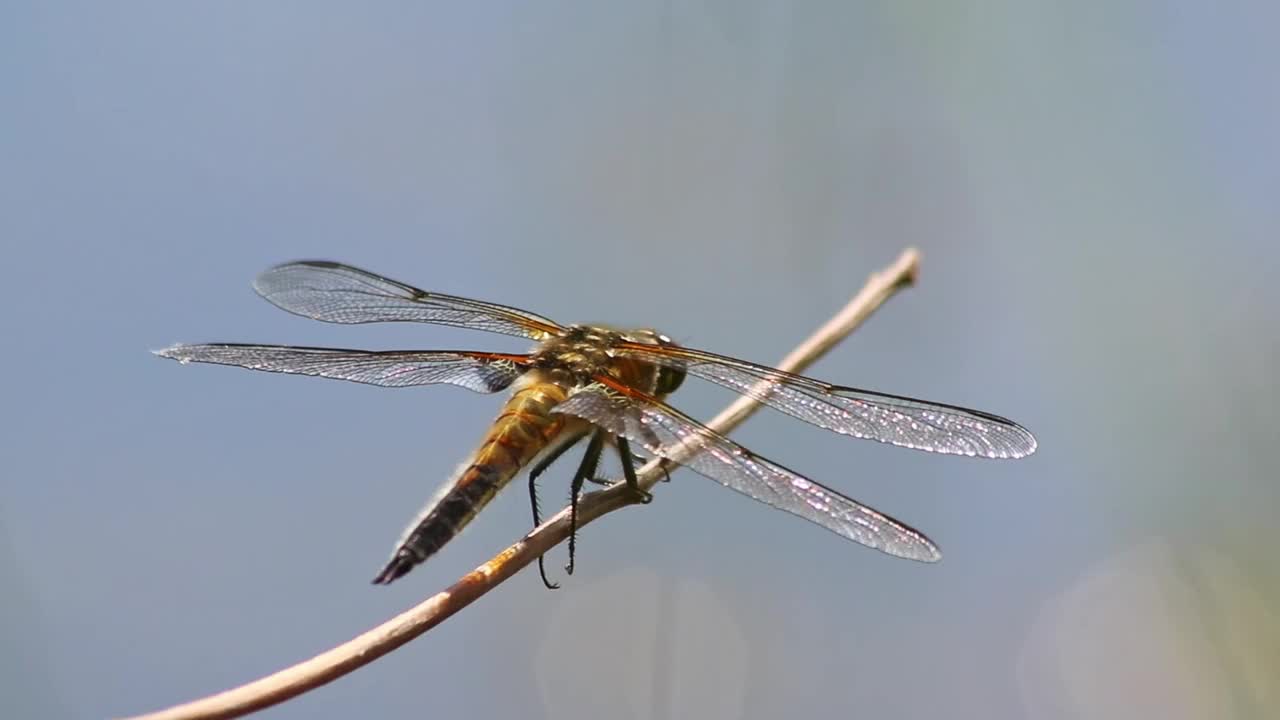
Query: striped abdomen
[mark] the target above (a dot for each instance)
(525, 426)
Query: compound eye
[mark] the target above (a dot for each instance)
(669, 380)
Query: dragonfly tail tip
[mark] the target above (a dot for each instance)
(397, 568)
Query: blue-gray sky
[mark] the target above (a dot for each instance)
(1093, 186)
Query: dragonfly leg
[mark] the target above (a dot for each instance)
(629, 470)
(537, 470)
(590, 459)
(641, 460)
(662, 465)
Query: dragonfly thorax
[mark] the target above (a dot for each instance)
(586, 352)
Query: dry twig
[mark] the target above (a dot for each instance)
(388, 636)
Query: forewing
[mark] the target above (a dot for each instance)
(662, 430)
(479, 372)
(338, 293)
(901, 421)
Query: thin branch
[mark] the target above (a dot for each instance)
(397, 631)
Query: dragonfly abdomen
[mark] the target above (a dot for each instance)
(524, 428)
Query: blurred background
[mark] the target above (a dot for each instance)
(1093, 187)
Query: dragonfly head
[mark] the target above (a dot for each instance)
(669, 378)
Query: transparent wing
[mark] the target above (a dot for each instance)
(902, 421)
(661, 429)
(479, 372)
(338, 293)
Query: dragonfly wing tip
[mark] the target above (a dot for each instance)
(173, 352)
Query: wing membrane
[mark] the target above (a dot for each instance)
(478, 372)
(661, 429)
(902, 421)
(338, 293)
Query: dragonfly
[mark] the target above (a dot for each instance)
(607, 387)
